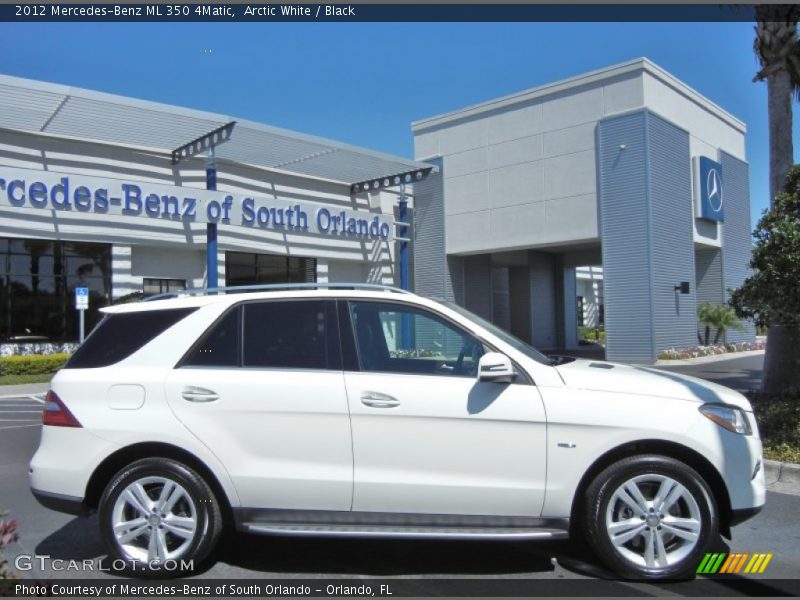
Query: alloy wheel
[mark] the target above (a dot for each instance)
(653, 521)
(154, 520)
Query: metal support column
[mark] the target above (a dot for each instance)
(402, 214)
(211, 228)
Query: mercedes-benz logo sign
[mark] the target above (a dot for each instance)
(714, 190)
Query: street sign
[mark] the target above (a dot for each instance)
(81, 304)
(81, 298)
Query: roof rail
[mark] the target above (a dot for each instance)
(277, 286)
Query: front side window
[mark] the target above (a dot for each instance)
(394, 338)
(294, 334)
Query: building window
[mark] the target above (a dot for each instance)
(37, 288)
(151, 286)
(242, 268)
(580, 311)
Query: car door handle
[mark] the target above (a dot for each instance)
(198, 394)
(378, 400)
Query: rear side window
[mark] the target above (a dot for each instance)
(219, 346)
(121, 334)
(298, 334)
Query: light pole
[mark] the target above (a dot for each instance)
(207, 143)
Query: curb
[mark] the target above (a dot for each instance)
(783, 473)
(707, 359)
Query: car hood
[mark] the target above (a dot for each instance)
(604, 376)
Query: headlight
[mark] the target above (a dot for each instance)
(729, 417)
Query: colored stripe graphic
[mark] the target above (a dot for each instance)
(741, 562)
(728, 564)
(732, 563)
(717, 564)
(702, 567)
(767, 558)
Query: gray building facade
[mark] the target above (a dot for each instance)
(625, 168)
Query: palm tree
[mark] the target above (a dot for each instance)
(719, 316)
(778, 51)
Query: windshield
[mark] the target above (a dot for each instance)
(509, 339)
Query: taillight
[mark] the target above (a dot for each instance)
(56, 413)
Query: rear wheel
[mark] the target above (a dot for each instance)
(158, 518)
(650, 517)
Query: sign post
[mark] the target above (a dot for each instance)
(81, 304)
(207, 143)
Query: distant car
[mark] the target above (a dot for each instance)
(367, 412)
(26, 339)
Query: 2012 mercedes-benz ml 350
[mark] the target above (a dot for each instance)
(363, 411)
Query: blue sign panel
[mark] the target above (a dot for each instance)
(709, 190)
(81, 298)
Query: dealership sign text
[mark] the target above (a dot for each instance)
(23, 188)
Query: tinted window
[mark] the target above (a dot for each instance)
(37, 288)
(400, 339)
(219, 346)
(120, 335)
(294, 334)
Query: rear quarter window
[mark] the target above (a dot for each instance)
(121, 334)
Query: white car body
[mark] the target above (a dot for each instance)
(304, 440)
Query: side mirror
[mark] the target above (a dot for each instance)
(495, 367)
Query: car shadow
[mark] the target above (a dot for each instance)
(381, 557)
(503, 564)
(78, 540)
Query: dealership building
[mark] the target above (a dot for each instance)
(90, 197)
(620, 196)
(615, 199)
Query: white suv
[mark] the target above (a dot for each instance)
(359, 410)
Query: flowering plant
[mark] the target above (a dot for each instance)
(696, 351)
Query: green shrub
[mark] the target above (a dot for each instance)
(34, 364)
(590, 334)
(778, 419)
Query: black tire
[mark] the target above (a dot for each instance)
(195, 516)
(695, 504)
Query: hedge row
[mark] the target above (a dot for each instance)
(34, 364)
(778, 419)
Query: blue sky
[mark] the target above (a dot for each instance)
(365, 83)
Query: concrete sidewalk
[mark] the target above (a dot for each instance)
(782, 477)
(27, 389)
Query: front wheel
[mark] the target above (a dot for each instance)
(158, 518)
(651, 517)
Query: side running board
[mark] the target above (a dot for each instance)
(393, 531)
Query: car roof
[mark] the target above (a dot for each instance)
(231, 297)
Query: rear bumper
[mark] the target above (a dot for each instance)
(61, 503)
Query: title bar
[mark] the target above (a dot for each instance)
(372, 12)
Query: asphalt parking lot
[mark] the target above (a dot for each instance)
(416, 566)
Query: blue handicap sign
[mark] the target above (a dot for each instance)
(81, 298)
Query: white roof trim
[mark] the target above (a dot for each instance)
(392, 165)
(638, 65)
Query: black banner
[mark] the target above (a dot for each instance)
(389, 588)
(259, 12)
